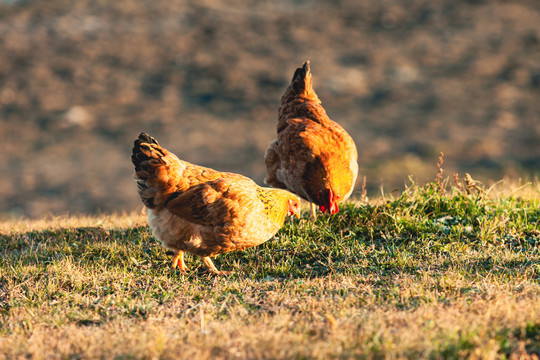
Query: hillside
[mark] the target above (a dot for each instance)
(408, 79)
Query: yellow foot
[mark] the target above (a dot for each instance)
(313, 211)
(212, 268)
(178, 262)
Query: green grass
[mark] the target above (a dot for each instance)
(434, 273)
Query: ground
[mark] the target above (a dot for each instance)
(434, 273)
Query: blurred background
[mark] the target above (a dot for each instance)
(408, 79)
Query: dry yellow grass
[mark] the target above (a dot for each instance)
(294, 323)
(20, 225)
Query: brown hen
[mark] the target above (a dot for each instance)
(312, 156)
(202, 211)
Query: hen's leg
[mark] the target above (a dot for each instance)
(213, 268)
(178, 261)
(313, 211)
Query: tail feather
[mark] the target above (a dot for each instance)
(302, 84)
(300, 100)
(301, 80)
(156, 170)
(145, 148)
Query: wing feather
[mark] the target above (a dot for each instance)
(213, 203)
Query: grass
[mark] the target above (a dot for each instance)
(437, 272)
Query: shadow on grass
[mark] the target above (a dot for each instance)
(340, 244)
(88, 243)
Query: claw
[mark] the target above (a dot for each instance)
(212, 268)
(178, 262)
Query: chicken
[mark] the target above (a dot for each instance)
(312, 156)
(202, 211)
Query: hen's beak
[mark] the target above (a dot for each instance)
(294, 212)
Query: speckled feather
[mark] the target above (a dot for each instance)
(311, 152)
(203, 211)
